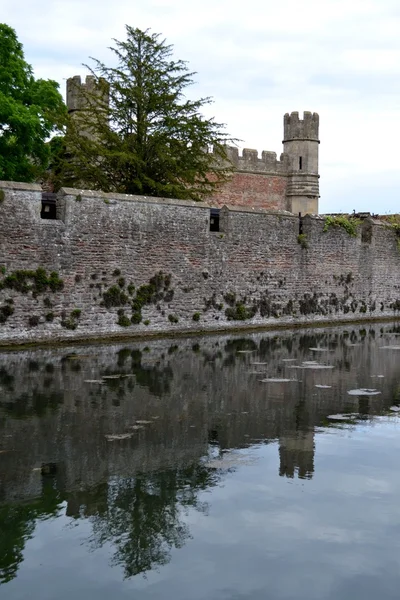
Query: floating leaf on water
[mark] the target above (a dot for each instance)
(390, 347)
(118, 436)
(156, 417)
(288, 359)
(323, 387)
(319, 349)
(395, 408)
(341, 417)
(315, 367)
(309, 362)
(245, 351)
(136, 427)
(143, 422)
(112, 376)
(228, 462)
(259, 363)
(363, 392)
(93, 381)
(276, 380)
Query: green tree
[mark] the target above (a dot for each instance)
(137, 132)
(30, 111)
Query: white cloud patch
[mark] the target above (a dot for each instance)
(258, 59)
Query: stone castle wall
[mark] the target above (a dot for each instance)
(252, 272)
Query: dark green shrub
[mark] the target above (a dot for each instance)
(240, 312)
(114, 296)
(55, 283)
(196, 316)
(123, 321)
(173, 319)
(136, 317)
(230, 298)
(302, 240)
(33, 320)
(37, 282)
(5, 311)
(69, 323)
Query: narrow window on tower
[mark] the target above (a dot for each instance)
(300, 163)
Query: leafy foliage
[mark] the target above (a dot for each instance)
(30, 111)
(347, 223)
(157, 290)
(37, 282)
(302, 240)
(137, 132)
(240, 312)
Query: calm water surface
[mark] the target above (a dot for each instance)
(171, 470)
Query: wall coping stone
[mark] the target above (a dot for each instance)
(130, 198)
(21, 186)
(260, 211)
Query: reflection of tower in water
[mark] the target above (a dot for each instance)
(296, 453)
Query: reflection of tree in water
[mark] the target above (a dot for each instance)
(6, 380)
(156, 379)
(142, 516)
(17, 524)
(34, 403)
(232, 347)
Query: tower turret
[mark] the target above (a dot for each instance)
(300, 143)
(80, 96)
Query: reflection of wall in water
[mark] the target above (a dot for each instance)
(193, 387)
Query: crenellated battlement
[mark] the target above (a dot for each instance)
(76, 91)
(295, 128)
(249, 162)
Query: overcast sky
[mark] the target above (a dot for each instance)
(258, 59)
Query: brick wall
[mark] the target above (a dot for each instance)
(253, 268)
(253, 190)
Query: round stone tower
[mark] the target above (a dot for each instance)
(301, 143)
